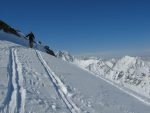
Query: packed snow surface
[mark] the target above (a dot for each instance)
(35, 82)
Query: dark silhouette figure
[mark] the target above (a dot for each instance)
(49, 51)
(31, 39)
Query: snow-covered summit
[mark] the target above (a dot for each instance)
(64, 55)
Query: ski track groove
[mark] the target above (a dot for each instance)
(14, 101)
(58, 85)
(21, 84)
(5, 105)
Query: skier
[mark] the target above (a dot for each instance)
(31, 39)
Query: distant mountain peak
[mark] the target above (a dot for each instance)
(64, 55)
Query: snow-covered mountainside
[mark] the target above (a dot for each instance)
(128, 72)
(32, 81)
(20, 38)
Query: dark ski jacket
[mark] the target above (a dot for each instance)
(31, 37)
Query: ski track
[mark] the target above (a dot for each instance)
(14, 101)
(59, 86)
(21, 83)
(5, 105)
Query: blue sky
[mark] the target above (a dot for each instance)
(83, 26)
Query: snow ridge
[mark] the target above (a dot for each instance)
(59, 86)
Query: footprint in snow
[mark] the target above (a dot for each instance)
(2, 93)
(34, 83)
(30, 81)
(43, 85)
(37, 78)
(54, 107)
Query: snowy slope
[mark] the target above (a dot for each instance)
(35, 82)
(128, 73)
